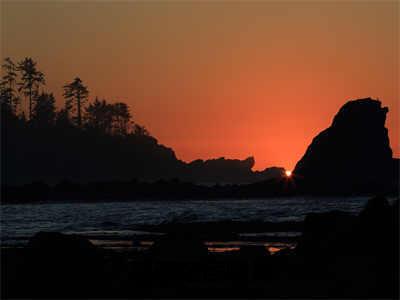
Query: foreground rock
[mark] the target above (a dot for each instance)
(61, 264)
(327, 234)
(338, 256)
(353, 154)
(374, 231)
(363, 250)
(179, 247)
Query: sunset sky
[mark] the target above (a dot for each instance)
(218, 78)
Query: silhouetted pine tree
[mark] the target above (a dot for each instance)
(44, 111)
(7, 86)
(121, 118)
(98, 116)
(76, 93)
(139, 130)
(109, 118)
(62, 119)
(31, 79)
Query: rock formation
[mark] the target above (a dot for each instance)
(224, 170)
(353, 154)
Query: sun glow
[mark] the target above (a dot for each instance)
(288, 173)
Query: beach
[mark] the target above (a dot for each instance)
(329, 254)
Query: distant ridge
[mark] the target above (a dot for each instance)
(52, 154)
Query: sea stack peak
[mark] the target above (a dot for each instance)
(365, 112)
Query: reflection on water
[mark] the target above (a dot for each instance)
(221, 249)
(274, 250)
(272, 247)
(213, 247)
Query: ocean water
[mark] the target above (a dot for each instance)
(118, 219)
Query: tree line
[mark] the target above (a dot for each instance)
(23, 82)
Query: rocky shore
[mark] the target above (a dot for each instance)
(337, 255)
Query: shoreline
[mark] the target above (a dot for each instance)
(211, 199)
(333, 257)
(223, 232)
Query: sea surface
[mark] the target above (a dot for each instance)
(118, 219)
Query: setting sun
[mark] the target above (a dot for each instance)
(288, 173)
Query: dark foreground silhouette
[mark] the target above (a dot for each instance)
(338, 255)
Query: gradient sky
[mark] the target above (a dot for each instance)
(218, 78)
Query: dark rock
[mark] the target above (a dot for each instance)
(178, 256)
(63, 264)
(224, 170)
(379, 227)
(376, 210)
(353, 154)
(360, 250)
(55, 241)
(253, 251)
(375, 232)
(327, 233)
(179, 247)
(270, 173)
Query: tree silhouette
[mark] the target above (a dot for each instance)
(105, 142)
(76, 93)
(6, 107)
(121, 118)
(31, 79)
(108, 118)
(7, 86)
(44, 112)
(62, 119)
(140, 130)
(99, 116)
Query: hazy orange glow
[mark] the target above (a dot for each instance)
(288, 173)
(218, 78)
(222, 249)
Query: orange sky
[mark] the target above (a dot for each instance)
(218, 78)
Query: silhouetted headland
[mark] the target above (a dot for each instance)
(91, 140)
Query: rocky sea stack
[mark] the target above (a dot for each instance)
(353, 154)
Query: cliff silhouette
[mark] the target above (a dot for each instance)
(56, 153)
(88, 140)
(353, 154)
(224, 170)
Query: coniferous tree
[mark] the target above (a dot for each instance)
(76, 95)
(98, 116)
(6, 107)
(44, 112)
(121, 118)
(62, 119)
(140, 130)
(31, 80)
(9, 96)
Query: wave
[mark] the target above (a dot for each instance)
(185, 216)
